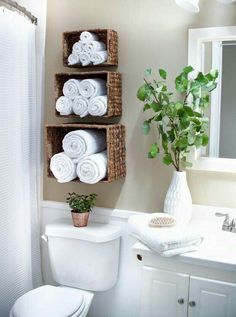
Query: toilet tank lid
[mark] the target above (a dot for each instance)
(94, 232)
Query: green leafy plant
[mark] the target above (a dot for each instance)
(180, 120)
(81, 203)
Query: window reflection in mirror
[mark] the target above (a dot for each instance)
(222, 114)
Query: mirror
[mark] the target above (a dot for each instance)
(215, 48)
(222, 116)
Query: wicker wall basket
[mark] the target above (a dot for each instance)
(109, 37)
(115, 137)
(114, 87)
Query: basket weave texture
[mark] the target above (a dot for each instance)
(109, 37)
(115, 138)
(114, 90)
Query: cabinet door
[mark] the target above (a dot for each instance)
(210, 298)
(164, 294)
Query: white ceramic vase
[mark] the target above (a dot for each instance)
(178, 201)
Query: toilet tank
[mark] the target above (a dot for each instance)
(87, 257)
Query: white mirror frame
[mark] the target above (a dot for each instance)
(196, 40)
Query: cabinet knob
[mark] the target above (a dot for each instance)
(192, 303)
(181, 301)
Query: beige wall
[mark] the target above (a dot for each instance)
(152, 33)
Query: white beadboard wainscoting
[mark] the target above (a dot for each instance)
(124, 299)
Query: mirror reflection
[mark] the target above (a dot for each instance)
(221, 55)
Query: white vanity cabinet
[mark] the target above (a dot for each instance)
(172, 294)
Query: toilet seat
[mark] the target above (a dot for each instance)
(48, 301)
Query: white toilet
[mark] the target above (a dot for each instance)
(83, 260)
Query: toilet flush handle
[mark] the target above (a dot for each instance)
(45, 238)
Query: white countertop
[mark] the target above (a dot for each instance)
(218, 249)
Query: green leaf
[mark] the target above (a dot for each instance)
(158, 118)
(188, 69)
(146, 107)
(155, 106)
(146, 127)
(148, 72)
(198, 141)
(164, 142)
(182, 144)
(167, 159)
(162, 73)
(178, 105)
(184, 122)
(189, 111)
(205, 140)
(154, 150)
(143, 92)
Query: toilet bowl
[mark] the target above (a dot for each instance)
(83, 261)
(50, 301)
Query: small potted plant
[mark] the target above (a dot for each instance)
(80, 205)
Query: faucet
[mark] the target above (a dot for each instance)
(228, 224)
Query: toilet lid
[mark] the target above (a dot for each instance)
(48, 301)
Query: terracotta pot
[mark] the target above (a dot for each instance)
(80, 219)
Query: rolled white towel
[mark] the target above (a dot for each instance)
(96, 46)
(80, 106)
(99, 57)
(73, 59)
(85, 58)
(90, 88)
(63, 168)
(64, 105)
(98, 106)
(93, 168)
(80, 143)
(78, 47)
(71, 88)
(88, 36)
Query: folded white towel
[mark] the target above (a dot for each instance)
(96, 46)
(73, 59)
(166, 241)
(80, 143)
(98, 106)
(80, 106)
(88, 36)
(99, 57)
(64, 105)
(78, 48)
(90, 88)
(63, 168)
(71, 88)
(85, 58)
(93, 168)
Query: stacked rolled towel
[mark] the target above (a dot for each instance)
(84, 156)
(64, 105)
(80, 143)
(92, 168)
(71, 88)
(167, 241)
(90, 88)
(63, 168)
(88, 50)
(98, 106)
(83, 97)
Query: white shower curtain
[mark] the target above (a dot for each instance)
(19, 158)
